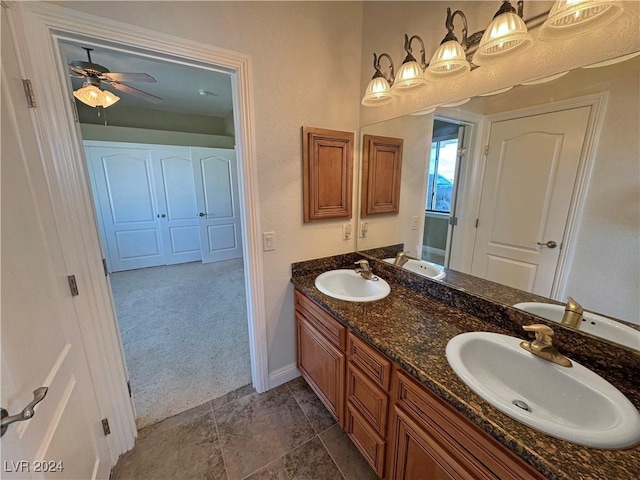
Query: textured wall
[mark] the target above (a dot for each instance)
(306, 71)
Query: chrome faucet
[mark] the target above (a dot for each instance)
(572, 314)
(542, 346)
(401, 259)
(364, 270)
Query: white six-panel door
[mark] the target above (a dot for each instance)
(529, 179)
(41, 341)
(215, 172)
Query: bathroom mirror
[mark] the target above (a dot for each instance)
(599, 246)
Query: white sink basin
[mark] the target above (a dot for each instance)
(570, 403)
(594, 324)
(426, 269)
(351, 286)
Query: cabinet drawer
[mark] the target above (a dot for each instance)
(322, 365)
(335, 332)
(456, 434)
(366, 439)
(370, 400)
(370, 361)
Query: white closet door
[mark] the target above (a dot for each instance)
(216, 176)
(528, 185)
(127, 207)
(177, 207)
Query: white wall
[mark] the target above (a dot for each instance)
(305, 66)
(109, 133)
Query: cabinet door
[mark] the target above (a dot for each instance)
(419, 456)
(322, 366)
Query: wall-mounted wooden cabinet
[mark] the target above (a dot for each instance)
(381, 171)
(327, 159)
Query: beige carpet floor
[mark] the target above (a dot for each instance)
(184, 333)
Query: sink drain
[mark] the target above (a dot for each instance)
(521, 404)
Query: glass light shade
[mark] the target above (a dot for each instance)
(457, 103)
(408, 77)
(545, 79)
(613, 61)
(505, 34)
(496, 92)
(575, 17)
(449, 60)
(378, 93)
(95, 97)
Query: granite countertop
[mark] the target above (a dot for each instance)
(413, 329)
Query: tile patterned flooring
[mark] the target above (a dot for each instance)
(285, 433)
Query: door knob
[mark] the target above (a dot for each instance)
(27, 412)
(550, 244)
(162, 215)
(202, 214)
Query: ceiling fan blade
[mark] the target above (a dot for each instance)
(77, 70)
(134, 91)
(129, 77)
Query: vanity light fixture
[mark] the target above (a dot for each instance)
(575, 17)
(504, 35)
(450, 59)
(378, 91)
(92, 95)
(411, 73)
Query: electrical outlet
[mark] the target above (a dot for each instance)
(364, 227)
(268, 241)
(414, 223)
(346, 231)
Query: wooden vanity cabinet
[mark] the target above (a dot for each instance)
(321, 357)
(403, 430)
(367, 408)
(432, 440)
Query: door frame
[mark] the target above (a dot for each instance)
(598, 104)
(36, 27)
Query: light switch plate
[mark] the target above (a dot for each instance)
(414, 223)
(268, 241)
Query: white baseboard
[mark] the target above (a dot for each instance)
(283, 375)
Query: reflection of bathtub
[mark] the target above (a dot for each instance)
(426, 269)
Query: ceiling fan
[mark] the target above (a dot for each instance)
(95, 74)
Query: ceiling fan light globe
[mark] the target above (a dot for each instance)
(89, 95)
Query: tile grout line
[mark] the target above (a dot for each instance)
(215, 423)
(280, 457)
(318, 433)
(329, 452)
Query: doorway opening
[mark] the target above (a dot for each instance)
(448, 150)
(165, 187)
